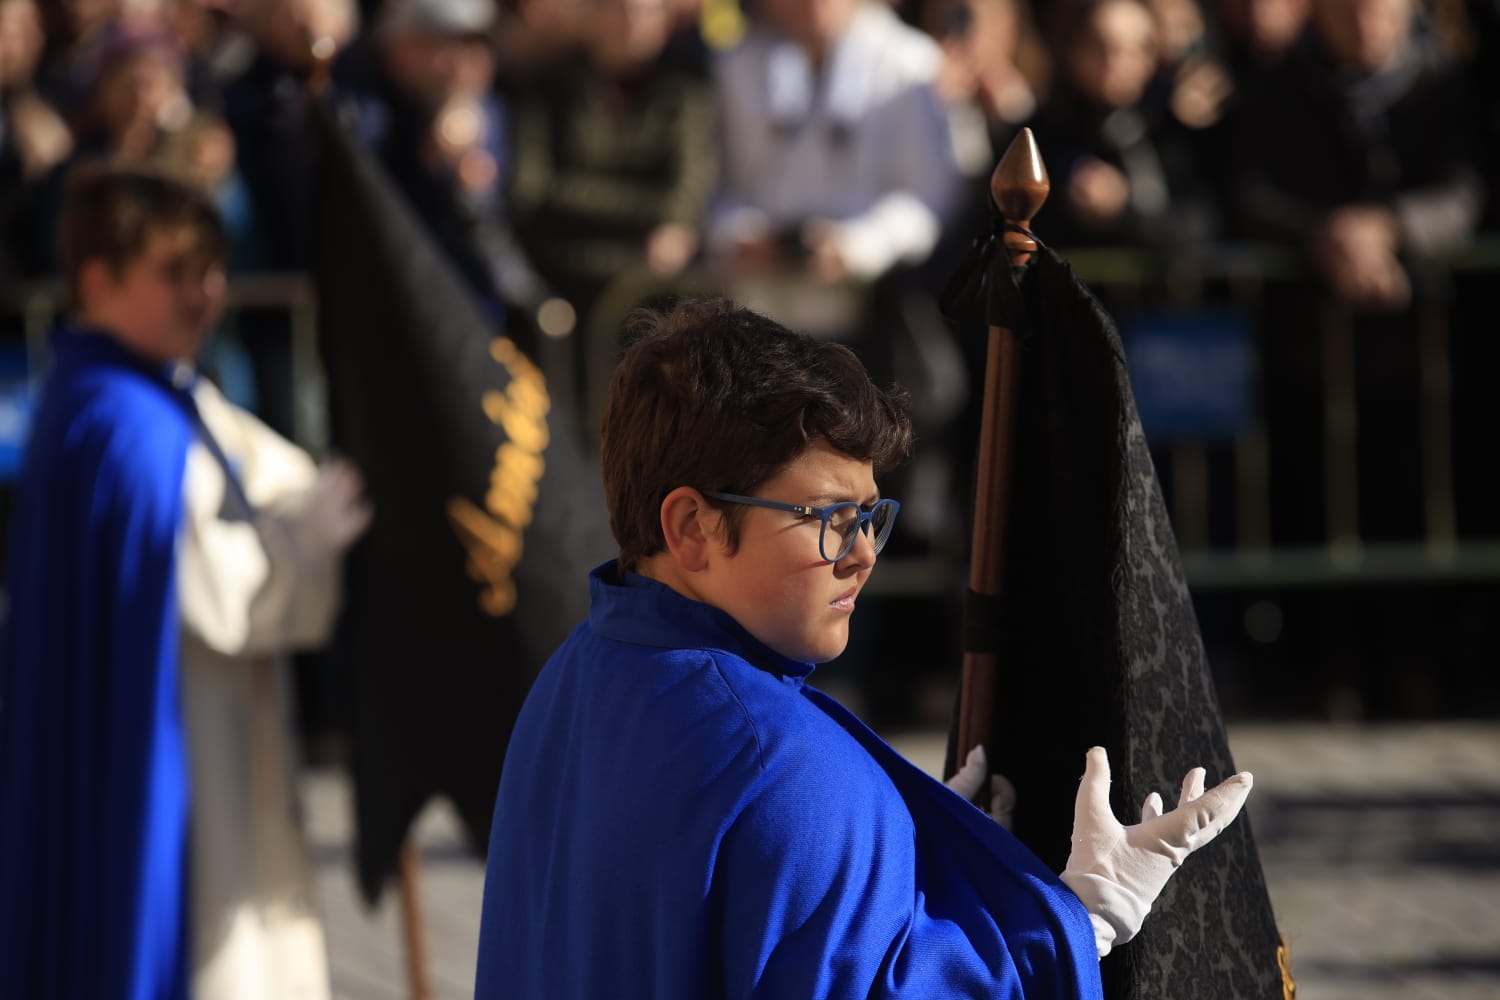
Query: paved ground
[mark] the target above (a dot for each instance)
(1381, 845)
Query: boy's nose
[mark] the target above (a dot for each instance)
(862, 552)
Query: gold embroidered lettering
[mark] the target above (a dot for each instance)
(494, 549)
(512, 492)
(524, 429)
(492, 537)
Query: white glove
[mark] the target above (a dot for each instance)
(969, 779)
(336, 511)
(1118, 871)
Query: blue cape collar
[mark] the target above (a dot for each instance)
(77, 346)
(628, 607)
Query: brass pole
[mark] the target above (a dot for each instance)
(1018, 187)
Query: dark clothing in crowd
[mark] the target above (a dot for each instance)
(1485, 82)
(12, 187)
(1169, 203)
(468, 221)
(602, 162)
(267, 109)
(1316, 138)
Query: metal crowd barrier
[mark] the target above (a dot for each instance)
(1252, 559)
(38, 305)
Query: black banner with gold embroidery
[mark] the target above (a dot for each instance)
(487, 514)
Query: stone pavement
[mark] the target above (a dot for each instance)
(1381, 846)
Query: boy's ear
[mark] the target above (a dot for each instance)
(687, 525)
(95, 277)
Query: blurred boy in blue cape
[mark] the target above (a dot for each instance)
(142, 595)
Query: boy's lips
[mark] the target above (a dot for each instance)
(845, 601)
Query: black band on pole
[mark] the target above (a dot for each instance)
(984, 622)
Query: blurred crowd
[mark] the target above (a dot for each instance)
(827, 160)
(552, 145)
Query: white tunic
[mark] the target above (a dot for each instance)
(253, 584)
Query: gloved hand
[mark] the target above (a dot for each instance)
(337, 512)
(1117, 871)
(969, 779)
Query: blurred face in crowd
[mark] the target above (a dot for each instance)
(993, 30)
(21, 40)
(189, 21)
(288, 29)
(812, 24)
(1267, 28)
(162, 303)
(84, 17)
(1114, 54)
(1179, 27)
(979, 39)
(1363, 35)
(630, 33)
(139, 94)
(431, 68)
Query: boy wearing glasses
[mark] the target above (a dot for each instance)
(682, 815)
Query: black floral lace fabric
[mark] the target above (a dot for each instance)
(1103, 647)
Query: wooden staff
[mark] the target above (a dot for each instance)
(413, 926)
(1018, 187)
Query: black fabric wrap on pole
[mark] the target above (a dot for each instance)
(1098, 645)
(985, 622)
(976, 273)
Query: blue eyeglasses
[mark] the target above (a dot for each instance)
(847, 519)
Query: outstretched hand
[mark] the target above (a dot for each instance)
(337, 511)
(969, 779)
(1117, 871)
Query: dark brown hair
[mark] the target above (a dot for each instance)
(110, 211)
(717, 397)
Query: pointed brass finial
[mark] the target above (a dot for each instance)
(1019, 184)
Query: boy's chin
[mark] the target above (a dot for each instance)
(817, 648)
(826, 651)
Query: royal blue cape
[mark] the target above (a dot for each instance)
(680, 816)
(93, 774)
